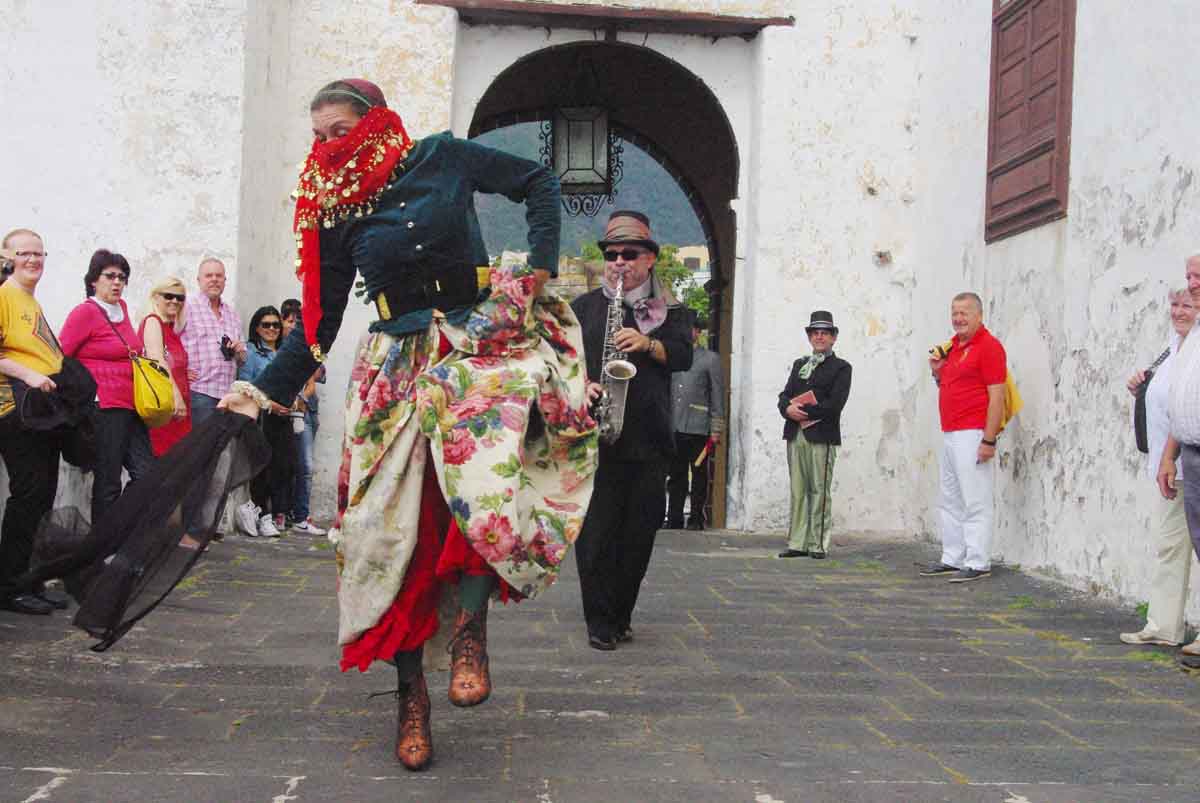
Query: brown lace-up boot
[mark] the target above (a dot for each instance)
(414, 742)
(470, 681)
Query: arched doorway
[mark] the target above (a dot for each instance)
(667, 111)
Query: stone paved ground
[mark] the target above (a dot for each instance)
(750, 679)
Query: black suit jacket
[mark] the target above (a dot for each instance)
(648, 434)
(830, 383)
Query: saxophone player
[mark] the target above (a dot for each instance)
(614, 545)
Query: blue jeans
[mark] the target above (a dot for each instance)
(304, 467)
(203, 406)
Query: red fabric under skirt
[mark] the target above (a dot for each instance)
(442, 555)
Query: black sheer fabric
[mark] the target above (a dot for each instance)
(119, 569)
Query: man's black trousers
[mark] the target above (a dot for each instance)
(687, 449)
(31, 459)
(614, 546)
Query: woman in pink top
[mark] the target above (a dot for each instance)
(100, 335)
(160, 335)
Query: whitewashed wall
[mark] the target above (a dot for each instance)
(1079, 303)
(409, 52)
(831, 171)
(124, 131)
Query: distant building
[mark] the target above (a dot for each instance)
(695, 257)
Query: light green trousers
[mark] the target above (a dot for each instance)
(810, 466)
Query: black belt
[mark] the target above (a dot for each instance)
(444, 288)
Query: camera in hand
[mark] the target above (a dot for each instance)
(226, 347)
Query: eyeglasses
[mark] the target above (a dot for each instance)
(115, 276)
(173, 297)
(627, 254)
(30, 255)
(270, 325)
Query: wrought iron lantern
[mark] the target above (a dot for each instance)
(578, 144)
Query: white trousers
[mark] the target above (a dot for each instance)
(1168, 595)
(965, 502)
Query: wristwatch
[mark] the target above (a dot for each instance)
(987, 442)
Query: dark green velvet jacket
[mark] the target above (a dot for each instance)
(426, 216)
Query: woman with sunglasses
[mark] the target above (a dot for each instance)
(271, 490)
(160, 331)
(100, 335)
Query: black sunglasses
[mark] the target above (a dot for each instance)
(628, 254)
(270, 325)
(173, 297)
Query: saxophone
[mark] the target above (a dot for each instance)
(616, 371)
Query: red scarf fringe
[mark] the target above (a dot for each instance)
(341, 179)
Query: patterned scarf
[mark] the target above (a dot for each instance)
(649, 303)
(341, 179)
(810, 365)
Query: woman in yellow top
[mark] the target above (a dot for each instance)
(29, 353)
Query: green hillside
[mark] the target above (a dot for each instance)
(645, 187)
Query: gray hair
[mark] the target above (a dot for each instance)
(206, 261)
(1178, 292)
(969, 296)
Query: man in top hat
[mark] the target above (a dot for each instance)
(811, 404)
(698, 401)
(614, 545)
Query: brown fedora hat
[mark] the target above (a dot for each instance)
(626, 227)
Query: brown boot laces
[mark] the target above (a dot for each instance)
(467, 644)
(414, 710)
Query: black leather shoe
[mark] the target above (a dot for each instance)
(598, 643)
(794, 553)
(815, 555)
(624, 634)
(28, 603)
(59, 600)
(695, 525)
(673, 525)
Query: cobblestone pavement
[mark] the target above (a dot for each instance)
(750, 679)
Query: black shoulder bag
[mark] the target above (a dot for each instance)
(1139, 405)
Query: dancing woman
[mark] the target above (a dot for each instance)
(469, 452)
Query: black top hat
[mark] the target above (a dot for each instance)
(821, 319)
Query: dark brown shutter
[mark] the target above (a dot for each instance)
(1029, 118)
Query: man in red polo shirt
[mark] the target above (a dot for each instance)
(971, 402)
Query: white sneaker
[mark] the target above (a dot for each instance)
(266, 526)
(1144, 636)
(246, 517)
(307, 526)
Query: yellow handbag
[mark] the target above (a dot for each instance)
(153, 391)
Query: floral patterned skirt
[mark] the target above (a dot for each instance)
(515, 495)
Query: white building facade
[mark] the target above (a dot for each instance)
(169, 132)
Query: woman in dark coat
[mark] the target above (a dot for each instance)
(443, 484)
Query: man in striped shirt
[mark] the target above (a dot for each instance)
(212, 337)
